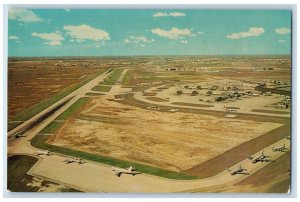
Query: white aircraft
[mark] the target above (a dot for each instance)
(239, 170)
(280, 149)
(43, 152)
(261, 158)
(74, 160)
(153, 107)
(119, 171)
(173, 110)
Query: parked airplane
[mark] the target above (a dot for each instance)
(173, 110)
(119, 171)
(74, 160)
(261, 158)
(43, 152)
(280, 149)
(239, 170)
(153, 107)
(20, 134)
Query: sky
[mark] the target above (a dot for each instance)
(86, 32)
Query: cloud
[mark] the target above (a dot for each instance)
(126, 41)
(142, 40)
(13, 38)
(184, 41)
(52, 39)
(283, 30)
(23, 15)
(281, 41)
(85, 32)
(177, 14)
(174, 33)
(173, 14)
(253, 31)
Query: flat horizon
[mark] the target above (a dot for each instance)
(108, 56)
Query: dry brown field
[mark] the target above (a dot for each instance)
(30, 82)
(177, 142)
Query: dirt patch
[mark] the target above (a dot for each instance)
(157, 99)
(171, 141)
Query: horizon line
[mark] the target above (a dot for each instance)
(148, 55)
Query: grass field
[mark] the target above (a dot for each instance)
(112, 78)
(101, 88)
(93, 94)
(52, 127)
(56, 124)
(17, 168)
(72, 109)
(128, 77)
(27, 114)
(19, 181)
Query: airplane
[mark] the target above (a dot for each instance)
(261, 158)
(173, 110)
(74, 160)
(280, 149)
(119, 171)
(20, 134)
(43, 152)
(288, 137)
(239, 170)
(153, 107)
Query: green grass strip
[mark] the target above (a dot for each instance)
(101, 88)
(128, 77)
(112, 77)
(93, 94)
(52, 127)
(72, 109)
